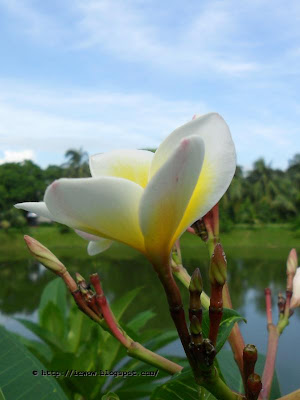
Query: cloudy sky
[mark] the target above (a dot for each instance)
(109, 74)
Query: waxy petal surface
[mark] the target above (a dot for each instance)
(105, 207)
(133, 165)
(168, 194)
(87, 236)
(98, 246)
(295, 300)
(38, 208)
(218, 166)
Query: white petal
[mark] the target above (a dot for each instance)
(133, 165)
(167, 196)
(38, 208)
(105, 207)
(98, 246)
(218, 166)
(87, 236)
(295, 301)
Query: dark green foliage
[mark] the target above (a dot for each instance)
(18, 366)
(262, 195)
(70, 340)
(26, 181)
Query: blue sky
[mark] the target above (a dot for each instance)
(113, 74)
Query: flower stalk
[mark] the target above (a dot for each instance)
(217, 276)
(98, 309)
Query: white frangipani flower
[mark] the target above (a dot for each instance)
(143, 199)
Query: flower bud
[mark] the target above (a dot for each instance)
(250, 354)
(292, 262)
(44, 256)
(196, 284)
(218, 266)
(254, 386)
(295, 301)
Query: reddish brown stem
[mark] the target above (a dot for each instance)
(106, 312)
(77, 295)
(268, 305)
(270, 362)
(215, 312)
(176, 309)
(92, 303)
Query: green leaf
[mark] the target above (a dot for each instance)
(78, 324)
(52, 320)
(1, 395)
(39, 349)
(55, 343)
(229, 318)
(120, 305)
(16, 378)
(54, 292)
(110, 396)
(162, 340)
(181, 387)
(233, 378)
(140, 320)
(52, 308)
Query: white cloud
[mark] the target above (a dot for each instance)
(54, 121)
(178, 39)
(17, 156)
(130, 33)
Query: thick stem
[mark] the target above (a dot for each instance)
(270, 362)
(218, 388)
(176, 308)
(210, 379)
(215, 312)
(235, 339)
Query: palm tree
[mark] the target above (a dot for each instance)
(77, 164)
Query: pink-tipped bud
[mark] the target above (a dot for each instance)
(292, 262)
(295, 301)
(44, 256)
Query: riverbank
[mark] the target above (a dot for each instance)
(246, 241)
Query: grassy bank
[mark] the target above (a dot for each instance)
(242, 241)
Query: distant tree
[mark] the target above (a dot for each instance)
(20, 182)
(77, 164)
(53, 172)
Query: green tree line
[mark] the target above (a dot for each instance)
(261, 195)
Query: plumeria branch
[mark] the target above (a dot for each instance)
(102, 314)
(200, 352)
(207, 229)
